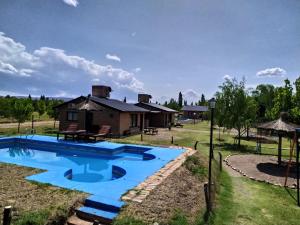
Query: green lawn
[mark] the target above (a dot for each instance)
(240, 201)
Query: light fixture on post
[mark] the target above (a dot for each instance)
(212, 105)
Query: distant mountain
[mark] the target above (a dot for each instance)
(191, 96)
(65, 99)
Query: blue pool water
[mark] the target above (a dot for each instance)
(106, 170)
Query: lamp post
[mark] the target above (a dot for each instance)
(212, 104)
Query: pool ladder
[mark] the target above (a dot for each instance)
(28, 132)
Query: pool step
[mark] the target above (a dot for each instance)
(92, 214)
(107, 204)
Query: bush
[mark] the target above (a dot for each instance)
(194, 164)
(178, 218)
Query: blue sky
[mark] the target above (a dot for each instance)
(161, 47)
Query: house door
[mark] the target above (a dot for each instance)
(89, 121)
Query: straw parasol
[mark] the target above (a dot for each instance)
(87, 106)
(280, 126)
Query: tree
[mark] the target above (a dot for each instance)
(202, 101)
(180, 99)
(185, 102)
(233, 99)
(41, 107)
(51, 111)
(21, 111)
(125, 100)
(282, 100)
(264, 96)
(295, 112)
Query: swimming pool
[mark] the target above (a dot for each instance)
(106, 170)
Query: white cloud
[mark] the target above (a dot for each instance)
(55, 72)
(138, 69)
(113, 57)
(271, 72)
(73, 3)
(133, 34)
(227, 77)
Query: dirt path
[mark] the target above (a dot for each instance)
(28, 124)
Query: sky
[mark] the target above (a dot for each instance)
(161, 47)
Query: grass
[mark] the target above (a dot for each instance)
(43, 130)
(243, 201)
(34, 203)
(240, 200)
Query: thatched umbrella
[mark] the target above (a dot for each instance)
(282, 127)
(87, 106)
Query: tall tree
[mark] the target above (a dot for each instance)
(21, 111)
(264, 96)
(180, 99)
(202, 101)
(234, 100)
(282, 100)
(41, 107)
(295, 112)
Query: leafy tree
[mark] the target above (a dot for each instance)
(21, 111)
(282, 99)
(125, 100)
(233, 99)
(180, 99)
(41, 107)
(5, 106)
(185, 102)
(295, 112)
(202, 101)
(264, 96)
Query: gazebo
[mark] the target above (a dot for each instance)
(280, 128)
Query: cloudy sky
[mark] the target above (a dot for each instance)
(62, 47)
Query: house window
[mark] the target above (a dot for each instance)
(71, 106)
(134, 120)
(72, 116)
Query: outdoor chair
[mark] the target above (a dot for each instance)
(178, 125)
(103, 132)
(71, 131)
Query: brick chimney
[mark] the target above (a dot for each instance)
(145, 98)
(101, 91)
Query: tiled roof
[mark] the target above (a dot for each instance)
(111, 103)
(195, 108)
(158, 107)
(118, 105)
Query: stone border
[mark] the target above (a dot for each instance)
(253, 178)
(142, 190)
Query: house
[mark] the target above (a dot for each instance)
(194, 111)
(158, 115)
(98, 109)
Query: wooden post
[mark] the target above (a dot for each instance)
(142, 137)
(172, 140)
(195, 146)
(32, 122)
(220, 163)
(279, 149)
(7, 215)
(206, 194)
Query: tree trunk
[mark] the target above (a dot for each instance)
(247, 133)
(239, 137)
(219, 134)
(19, 127)
(54, 123)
